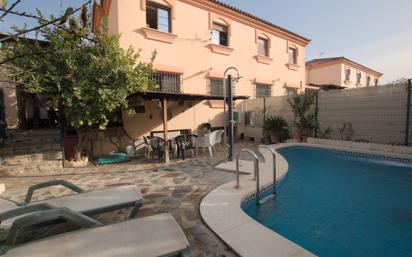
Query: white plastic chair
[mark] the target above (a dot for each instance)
(209, 140)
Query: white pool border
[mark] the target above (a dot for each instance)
(221, 208)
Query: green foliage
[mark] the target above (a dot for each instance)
(326, 133)
(304, 114)
(86, 75)
(89, 74)
(346, 131)
(277, 125)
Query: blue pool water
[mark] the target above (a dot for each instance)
(335, 203)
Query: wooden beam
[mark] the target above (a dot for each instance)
(165, 134)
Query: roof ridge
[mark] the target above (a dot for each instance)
(257, 18)
(343, 58)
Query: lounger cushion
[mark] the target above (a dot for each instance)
(92, 201)
(6, 205)
(151, 236)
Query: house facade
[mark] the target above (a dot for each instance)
(20, 109)
(339, 72)
(195, 41)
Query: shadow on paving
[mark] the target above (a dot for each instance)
(177, 188)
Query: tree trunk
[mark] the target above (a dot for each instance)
(81, 141)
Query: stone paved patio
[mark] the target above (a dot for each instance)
(177, 188)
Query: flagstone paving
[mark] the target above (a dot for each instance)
(176, 188)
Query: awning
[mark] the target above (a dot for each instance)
(164, 97)
(327, 86)
(149, 95)
(312, 87)
(291, 85)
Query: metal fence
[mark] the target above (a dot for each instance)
(371, 114)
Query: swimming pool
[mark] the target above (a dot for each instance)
(336, 203)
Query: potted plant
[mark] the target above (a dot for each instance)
(277, 128)
(302, 107)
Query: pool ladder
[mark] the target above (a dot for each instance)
(256, 172)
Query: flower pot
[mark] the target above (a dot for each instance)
(297, 136)
(274, 138)
(304, 138)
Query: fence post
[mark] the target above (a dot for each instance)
(408, 111)
(316, 113)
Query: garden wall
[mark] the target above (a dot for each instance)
(369, 114)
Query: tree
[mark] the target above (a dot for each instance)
(304, 115)
(399, 81)
(87, 75)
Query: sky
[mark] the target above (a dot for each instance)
(375, 33)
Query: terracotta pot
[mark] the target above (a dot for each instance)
(304, 138)
(297, 136)
(274, 139)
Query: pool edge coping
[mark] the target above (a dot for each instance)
(225, 201)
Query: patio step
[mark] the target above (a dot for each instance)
(33, 168)
(28, 138)
(34, 152)
(33, 149)
(24, 158)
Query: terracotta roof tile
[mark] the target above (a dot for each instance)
(257, 18)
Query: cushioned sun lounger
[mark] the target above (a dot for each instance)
(88, 203)
(157, 235)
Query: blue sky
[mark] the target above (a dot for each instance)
(376, 33)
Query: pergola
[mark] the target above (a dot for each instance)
(164, 97)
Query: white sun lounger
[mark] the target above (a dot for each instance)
(153, 236)
(88, 203)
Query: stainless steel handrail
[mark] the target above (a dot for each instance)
(274, 164)
(256, 171)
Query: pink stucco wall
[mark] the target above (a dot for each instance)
(334, 73)
(190, 53)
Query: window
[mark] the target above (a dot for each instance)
(347, 74)
(216, 87)
(168, 82)
(262, 91)
(358, 77)
(368, 81)
(293, 55)
(220, 35)
(291, 91)
(263, 47)
(158, 17)
(376, 82)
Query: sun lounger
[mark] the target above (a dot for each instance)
(157, 235)
(89, 203)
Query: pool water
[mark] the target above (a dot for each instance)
(336, 203)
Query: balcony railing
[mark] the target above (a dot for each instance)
(168, 82)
